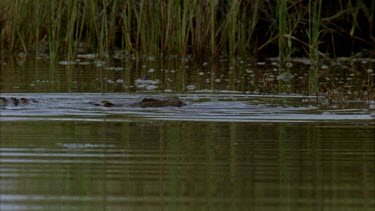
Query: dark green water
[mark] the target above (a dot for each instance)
(224, 150)
(156, 165)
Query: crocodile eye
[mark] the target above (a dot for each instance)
(25, 101)
(106, 103)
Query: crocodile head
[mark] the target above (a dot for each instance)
(159, 102)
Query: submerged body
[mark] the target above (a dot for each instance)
(145, 102)
(13, 101)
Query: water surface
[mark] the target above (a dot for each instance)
(158, 165)
(227, 149)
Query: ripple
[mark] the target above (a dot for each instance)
(200, 107)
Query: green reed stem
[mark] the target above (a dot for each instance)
(314, 32)
(184, 28)
(282, 20)
(213, 6)
(283, 25)
(70, 39)
(127, 30)
(54, 33)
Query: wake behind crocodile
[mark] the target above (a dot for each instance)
(177, 107)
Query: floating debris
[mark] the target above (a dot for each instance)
(286, 76)
(114, 68)
(151, 70)
(120, 81)
(185, 59)
(151, 87)
(147, 84)
(87, 56)
(67, 62)
(191, 87)
(151, 58)
(100, 63)
(289, 64)
(84, 63)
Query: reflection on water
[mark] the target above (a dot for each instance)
(185, 165)
(352, 79)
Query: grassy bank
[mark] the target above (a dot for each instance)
(210, 28)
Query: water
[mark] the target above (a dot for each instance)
(157, 165)
(224, 150)
(200, 107)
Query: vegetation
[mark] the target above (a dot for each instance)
(209, 27)
(254, 29)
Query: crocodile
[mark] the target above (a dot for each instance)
(145, 102)
(14, 101)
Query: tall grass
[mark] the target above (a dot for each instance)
(201, 28)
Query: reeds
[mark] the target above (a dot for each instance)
(200, 29)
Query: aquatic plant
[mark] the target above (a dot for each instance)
(201, 29)
(209, 28)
